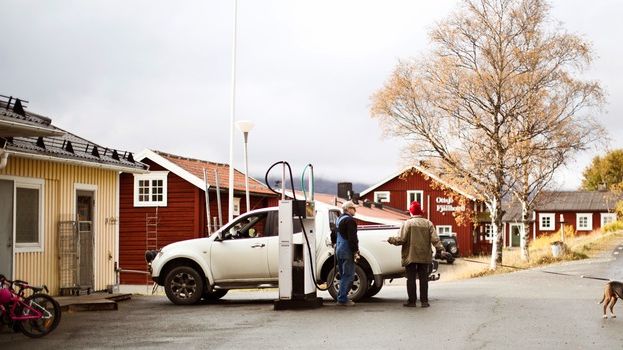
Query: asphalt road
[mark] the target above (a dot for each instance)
(523, 310)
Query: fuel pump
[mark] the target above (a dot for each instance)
(297, 253)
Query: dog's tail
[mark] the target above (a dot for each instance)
(603, 298)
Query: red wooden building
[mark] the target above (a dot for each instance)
(581, 211)
(440, 202)
(169, 204)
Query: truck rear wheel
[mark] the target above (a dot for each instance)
(373, 289)
(358, 289)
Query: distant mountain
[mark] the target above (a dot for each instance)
(320, 185)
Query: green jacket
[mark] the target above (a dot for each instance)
(417, 235)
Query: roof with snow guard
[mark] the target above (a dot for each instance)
(29, 135)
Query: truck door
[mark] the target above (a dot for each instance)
(242, 254)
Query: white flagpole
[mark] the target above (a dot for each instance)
(230, 211)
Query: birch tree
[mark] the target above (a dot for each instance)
(471, 102)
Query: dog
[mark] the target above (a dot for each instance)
(612, 291)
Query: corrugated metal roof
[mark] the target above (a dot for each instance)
(64, 145)
(577, 201)
(28, 118)
(15, 124)
(557, 201)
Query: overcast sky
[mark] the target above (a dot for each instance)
(157, 74)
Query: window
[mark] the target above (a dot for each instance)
(28, 215)
(607, 218)
(150, 190)
(444, 229)
(381, 196)
(415, 196)
(546, 222)
(489, 232)
(584, 222)
(264, 224)
(236, 206)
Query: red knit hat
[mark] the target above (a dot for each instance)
(415, 208)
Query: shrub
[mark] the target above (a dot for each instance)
(613, 226)
(569, 231)
(619, 209)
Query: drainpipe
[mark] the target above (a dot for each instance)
(4, 157)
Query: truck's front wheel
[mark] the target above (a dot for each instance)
(357, 290)
(183, 285)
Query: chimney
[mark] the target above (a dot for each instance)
(345, 190)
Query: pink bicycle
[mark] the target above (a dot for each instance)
(35, 315)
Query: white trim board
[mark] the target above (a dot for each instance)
(172, 167)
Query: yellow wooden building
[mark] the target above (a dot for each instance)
(59, 204)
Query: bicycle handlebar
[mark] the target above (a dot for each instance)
(21, 284)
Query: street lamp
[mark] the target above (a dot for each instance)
(245, 126)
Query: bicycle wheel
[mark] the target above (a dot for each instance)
(39, 327)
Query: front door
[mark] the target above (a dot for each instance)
(516, 234)
(84, 213)
(242, 254)
(6, 228)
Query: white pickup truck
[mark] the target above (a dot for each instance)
(245, 254)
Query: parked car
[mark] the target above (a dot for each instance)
(245, 254)
(450, 245)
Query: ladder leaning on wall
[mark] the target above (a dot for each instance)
(151, 230)
(151, 235)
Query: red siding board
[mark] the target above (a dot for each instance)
(570, 219)
(415, 181)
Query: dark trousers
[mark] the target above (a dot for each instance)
(419, 271)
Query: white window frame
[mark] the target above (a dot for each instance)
(153, 175)
(31, 183)
(416, 192)
(444, 228)
(386, 193)
(552, 222)
(489, 233)
(589, 221)
(236, 211)
(612, 216)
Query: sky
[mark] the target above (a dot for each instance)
(151, 74)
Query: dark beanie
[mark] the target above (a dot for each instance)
(415, 208)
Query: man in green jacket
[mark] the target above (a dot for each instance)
(417, 235)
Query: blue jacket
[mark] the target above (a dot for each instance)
(347, 228)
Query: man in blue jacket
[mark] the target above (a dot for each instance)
(346, 249)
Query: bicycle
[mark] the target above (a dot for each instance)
(35, 315)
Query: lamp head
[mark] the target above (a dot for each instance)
(244, 125)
